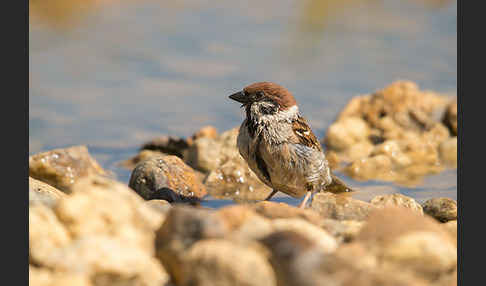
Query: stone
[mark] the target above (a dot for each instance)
(274, 210)
(108, 261)
(222, 262)
(450, 118)
(105, 207)
(167, 178)
(234, 180)
(61, 168)
(161, 206)
(443, 209)
(169, 145)
(405, 241)
(379, 167)
(184, 226)
(358, 150)
(44, 277)
(451, 228)
(244, 223)
(342, 230)
(102, 233)
(46, 233)
(294, 258)
(393, 134)
(424, 252)
(206, 131)
(392, 149)
(340, 207)
(343, 134)
(318, 236)
(207, 154)
(397, 200)
(40, 192)
(448, 151)
(141, 156)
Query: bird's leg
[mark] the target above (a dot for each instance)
(306, 198)
(271, 195)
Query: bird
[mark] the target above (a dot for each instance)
(279, 146)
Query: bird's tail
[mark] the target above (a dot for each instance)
(337, 186)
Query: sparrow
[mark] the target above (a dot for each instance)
(279, 146)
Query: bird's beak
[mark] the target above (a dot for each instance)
(240, 97)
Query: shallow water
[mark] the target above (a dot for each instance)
(113, 74)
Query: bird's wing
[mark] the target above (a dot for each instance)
(304, 135)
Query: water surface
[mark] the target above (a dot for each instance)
(113, 74)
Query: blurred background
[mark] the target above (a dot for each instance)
(112, 74)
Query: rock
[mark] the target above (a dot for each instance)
(46, 233)
(43, 277)
(424, 252)
(450, 118)
(40, 192)
(340, 207)
(397, 200)
(183, 226)
(274, 210)
(236, 215)
(167, 178)
(244, 223)
(169, 145)
(392, 149)
(443, 209)
(141, 156)
(207, 154)
(108, 261)
(342, 230)
(204, 154)
(105, 207)
(405, 241)
(234, 180)
(161, 206)
(206, 131)
(102, 233)
(451, 228)
(229, 176)
(294, 258)
(392, 134)
(321, 239)
(61, 168)
(379, 167)
(448, 151)
(221, 262)
(343, 134)
(358, 150)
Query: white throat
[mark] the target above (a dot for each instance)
(288, 115)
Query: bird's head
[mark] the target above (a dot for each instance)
(264, 99)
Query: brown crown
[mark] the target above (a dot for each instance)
(273, 91)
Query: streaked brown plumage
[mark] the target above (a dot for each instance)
(278, 143)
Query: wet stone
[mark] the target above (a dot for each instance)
(169, 145)
(394, 134)
(61, 168)
(405, 241)
(341, 207)
(294, 257)
(397, 200)
(274, 210)
(450, 117)
(443, 209)
(40, 192)
(184, 226)
(167, 178)
(222, 262)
